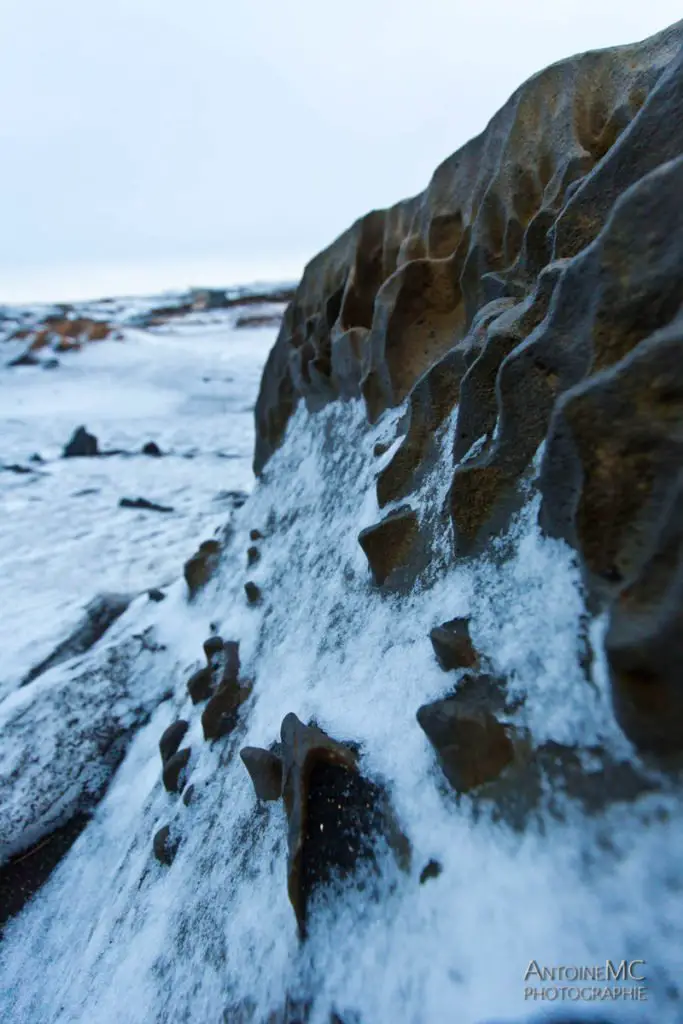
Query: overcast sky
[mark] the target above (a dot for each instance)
(151, 144)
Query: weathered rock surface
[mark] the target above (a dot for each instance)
(453, 646)
(171, 739)
(99, 615)
(175, 770)
(532, 294)
(165, 846)
(265, 770)
(472, 746)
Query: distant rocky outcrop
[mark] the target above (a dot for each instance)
(537, 286)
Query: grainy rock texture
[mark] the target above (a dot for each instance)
(536, 285)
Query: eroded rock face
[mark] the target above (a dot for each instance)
(200, 568)
(531, 295)
(334, 814)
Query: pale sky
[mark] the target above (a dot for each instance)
(152, 144)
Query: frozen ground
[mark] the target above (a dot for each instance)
(114, 937)
(190, 387)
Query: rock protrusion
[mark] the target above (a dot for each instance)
(165, 846)
(472, 746)
(199, 569)
(220, 715)
(171, 739)
(387, 544)
(253, 592)
(81, 445)
(175, 771)
(265, 771)
(453, 646)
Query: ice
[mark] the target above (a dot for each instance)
(114, 937)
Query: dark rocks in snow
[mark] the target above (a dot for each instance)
(81, 445)
(255, 535)
(472, 746)
(171, 739)
(165, 846)
(452, 645)
(15, 467)
(153, 449)
(25, 359)
(265, 770)
(175, 771)
(99, 615)
(253, 556)
(380, 449)
(189, 795)
(432, 869)
(199, 569)
(200, 685)
(333, 813)
(387, 544)
(253, 592)
(156, 595)
(213, 645)
(220, 715)
(144, 503)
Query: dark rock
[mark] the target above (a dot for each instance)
(471, 744)
(199, 569)
(15, 467)
(200, 685)
(25, 359)
(36, 457)
(253, 556)
(165, 846)
(265, 769)
(171, 739)
(213, 645)
(143, 503)
(51, 364)
(189, 795)
(99, 615)
(380, 449)
(22, 876)
(82, 444)
(153, 449)
(175, 771)
(453, 646)
(432, 869)
(156, 595)
(255, 535)
(253, 592)
(387, 544)
(333, 813)
(220, 715)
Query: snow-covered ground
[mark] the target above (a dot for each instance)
(114, 937)
(190, 387)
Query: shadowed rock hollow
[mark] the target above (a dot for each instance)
(536, 285)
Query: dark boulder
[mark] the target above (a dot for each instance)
(145, 504)
(452, 645)
(432, 869)
(387, 544)
(471, 744)
(175, 771)
(200, 685)
(156, 595)
(253, 592)
(165, 846)
(253, 556)
(265, 770)
(82, 444)
(199, 569)
(153, 449)
(171, 739)
(255, 535)
(220, 716)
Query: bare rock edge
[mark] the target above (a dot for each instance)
(537, 284)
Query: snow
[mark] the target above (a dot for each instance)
(114, 937)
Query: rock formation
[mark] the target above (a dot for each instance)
(536, 285)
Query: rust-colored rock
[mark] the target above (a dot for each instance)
(220, 715)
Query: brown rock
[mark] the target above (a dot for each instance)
(165, 847)
(200, 568)
(452, 645)
(200, 685)
(253, 556)
(221, 713)
(471, 744)
(253, 592)
(171, 739)
(175, 771)
(387, 544)
(265, 769)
